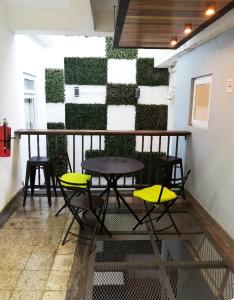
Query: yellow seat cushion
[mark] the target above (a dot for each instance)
(151, 194)
(75, 178)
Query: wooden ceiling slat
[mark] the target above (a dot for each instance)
(147, 22)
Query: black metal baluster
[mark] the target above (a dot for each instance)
(124, 145)
(168, 145)
(82, 149)
(150, 160)
(100, 147)
(142, 150)
(73, 153)
(176, 153)
(91, 149)
(38, 154)
(29, 146)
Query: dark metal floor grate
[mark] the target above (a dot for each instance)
(136, 267)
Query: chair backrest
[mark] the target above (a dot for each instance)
(61, 164)
(67, 187)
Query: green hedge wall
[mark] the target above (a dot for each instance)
(85, 71)
(151, 117)
(121, 94)
(153, 172)
(150, 76)
(54, 85)
(120, 145)
(119, 53)
(57, 148)
(85, 116)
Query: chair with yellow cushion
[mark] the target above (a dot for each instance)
(159, 195)
(79, 199)
(71, 177)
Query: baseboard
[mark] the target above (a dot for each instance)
(9, 208)
(214, 230)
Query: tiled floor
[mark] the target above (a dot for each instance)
(34, 264)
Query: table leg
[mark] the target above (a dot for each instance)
(125, 203)
(105, 207)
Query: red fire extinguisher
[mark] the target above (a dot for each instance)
(5, 139)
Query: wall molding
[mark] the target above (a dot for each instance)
(10, 207)
(219, 236)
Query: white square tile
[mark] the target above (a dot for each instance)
(121, 117)
(153, 95)
(121, 71)
(55, 112)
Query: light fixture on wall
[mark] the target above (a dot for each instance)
(76, 91)
(188, 28)
(137, 93)
(173, 41)
(210, 8)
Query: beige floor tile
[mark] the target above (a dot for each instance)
(21, 214)
(14, 262)
(5, 295)
(32, 280)
(54, 295)
(40, 261)
(62, 263)
(68, 248)
(35, 223)
(57, 280)
(40, 214)
(8, 279)
(14, 224)
(27, 295)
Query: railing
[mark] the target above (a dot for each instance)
(147, 146)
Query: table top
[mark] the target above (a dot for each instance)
(112, 165)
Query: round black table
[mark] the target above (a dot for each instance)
(112, 168)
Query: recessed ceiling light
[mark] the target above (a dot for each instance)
(210, 8)
(188, 28)
(173, 41)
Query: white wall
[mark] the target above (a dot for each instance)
(9, 108)
(210, 151)
(18, 54)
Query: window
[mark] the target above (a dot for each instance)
(29, 101)
(201, 101)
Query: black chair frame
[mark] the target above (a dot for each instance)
(166, 206)
(77, 189)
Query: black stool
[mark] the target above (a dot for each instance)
(33, 164)
(171, 163)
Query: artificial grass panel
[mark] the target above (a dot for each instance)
(120, 145)
(57, 149)
(121, 94)
(85, 71)
(54, 85)
(148, 75)
(116, 53)
(86, 116)
(151, 117)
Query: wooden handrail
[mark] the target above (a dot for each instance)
(20, 132)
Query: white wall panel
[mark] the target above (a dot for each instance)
(121, 71)
(153, 95)
(55, 112)
(121, 117)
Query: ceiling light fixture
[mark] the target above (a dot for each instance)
(173, 41)
(210, 8)
(188, 28)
